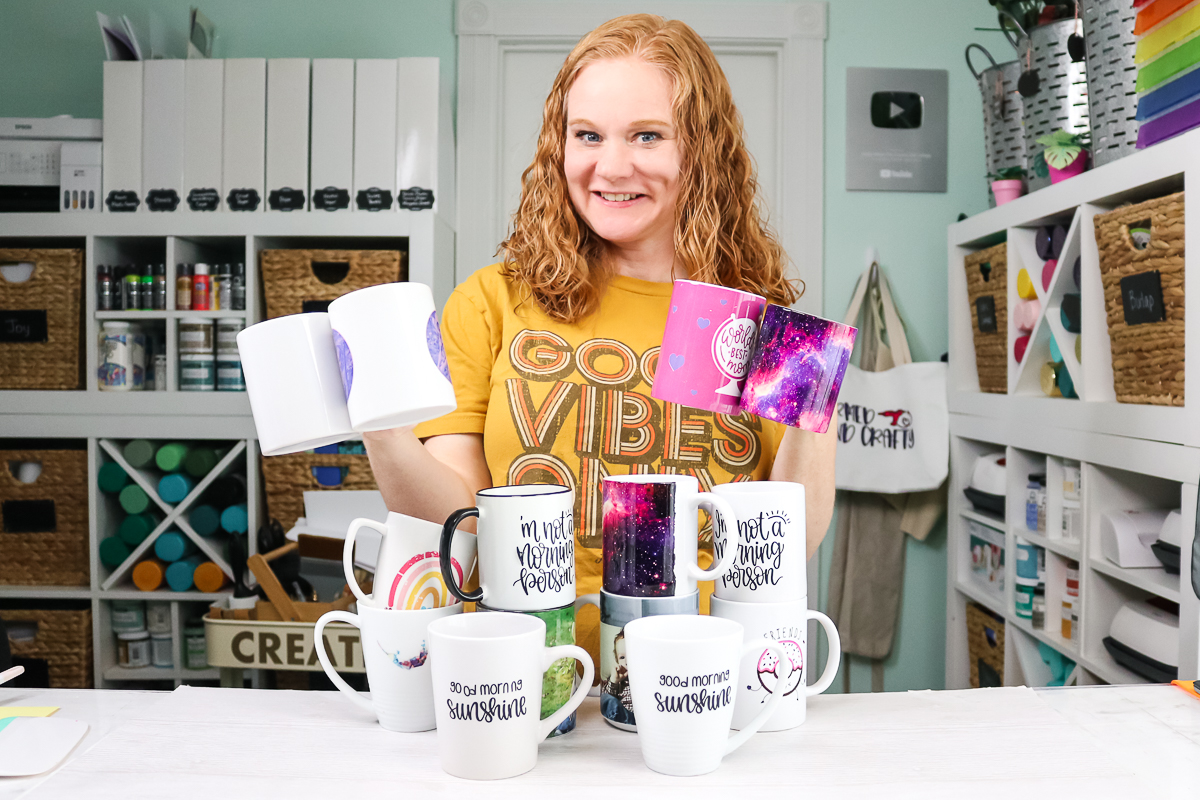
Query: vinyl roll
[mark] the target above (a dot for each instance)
(134, 529)
(139, 453)
(173, 545)
(1065, 384)
(1025, 315)
(1043, 241)
(1055, 353)
(134, 499)
(205, 520)
(1079, 349)
(113, 552)
(174, 487)
(1049, 379)
(1075, 269)
(1020, 346)
(180, 574)
(1058, 240)
(234, 519)
(227, 490)
(208, 577)
(148, 574)
(169, 457)
(200, 461)
(1025, 288)
(1069, 312)
(1048, 274)
(112, 478)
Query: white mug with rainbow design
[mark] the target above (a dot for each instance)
(408, 573)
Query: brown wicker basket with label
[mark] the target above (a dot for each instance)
(987, 289)
(287, 478)
(295, 281)
(1148, 355)
(40, 346)
(61, 637)
(985, 647)
(44, 524)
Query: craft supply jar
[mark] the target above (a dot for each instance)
(160, 650)
(1038, 617)
(121, 357)
(133, 649)
(196, 337)
(128, 615)
(195, 649)
(158, 617)
(197, 372)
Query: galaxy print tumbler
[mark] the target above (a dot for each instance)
(797, 368)
(651, 532)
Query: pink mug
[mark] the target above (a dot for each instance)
(706, 346)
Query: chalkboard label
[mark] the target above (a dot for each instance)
(122, 200)
(242, 200)
(23, 326)
(330, 199)
(286, 199)
(1141, 297)
(374, 199)
(204, 199)
(29, 516)
(315, 306)
(162, 200)
(985, 312)
(416, 198)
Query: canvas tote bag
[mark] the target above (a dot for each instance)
(893, 424)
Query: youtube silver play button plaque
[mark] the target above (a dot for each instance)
(896, 129)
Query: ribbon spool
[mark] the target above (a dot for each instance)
(1049, 379)
(1079, 349)
(1055, 353)
(1020, 346)
(1065, 384)
(1069, 312)
(1025, 288)
(1058, 240)
(1048, 274)
(1075, 270)
(1025, 315)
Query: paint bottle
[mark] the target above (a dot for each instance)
(179, 574)
(160, 287)
(148, 574)
(128, 615)
(223, 287)
(174, 487)
(113, 552)
(161, 650)
(132, 288)
(158, 617)
(104, 288)
(201, 288)
(172, 546)
(139, 453)
(205, 520)
(133, 649)
(195, 649)
(183, 287)
(146, 293)
(160, 370)
(111, 477)
(238, 287)
(169, 457)
(208, 577)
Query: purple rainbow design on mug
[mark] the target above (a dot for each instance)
(345, 362)
(639, 539)
(797, 368)
(433, 341)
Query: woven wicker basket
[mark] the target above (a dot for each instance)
(985, 643)
(63, 639)
(991, 348)
(1147, 358)
(287, 478)
(292, 286)
(54, 290)
(57, 555)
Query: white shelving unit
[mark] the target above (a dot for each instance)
(104, 419)
(1132, 456)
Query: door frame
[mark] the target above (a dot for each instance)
(794, 31)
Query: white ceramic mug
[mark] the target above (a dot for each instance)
(487, 690)
(651, 533)
(526, 548)
(395, 648)
(389, 348)
(408, 569)
(763, 676)
(684, 674)
(769, 565)
(294, 384)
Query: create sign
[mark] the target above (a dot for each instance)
(236, 644)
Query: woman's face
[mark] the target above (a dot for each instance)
(622, 154)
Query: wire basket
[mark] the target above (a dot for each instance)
(1148, 359)
(60, 637)
(44, 524)
(987, 283)
(287, 478)
(985, 647)
(1112, 77)
(1003, 113)
(42, 348)
(296, 281)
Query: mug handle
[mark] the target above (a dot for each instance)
(553, 654)
(717, 505)
(835, 654)
(348, 555)
(592, 599)
(741, 737)
(319, 644)
(444, 555)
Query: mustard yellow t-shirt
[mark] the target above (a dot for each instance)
(570, 403)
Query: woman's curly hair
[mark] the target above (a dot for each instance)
(720, 233)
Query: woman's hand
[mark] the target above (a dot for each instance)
(428, 480)
(808, 458)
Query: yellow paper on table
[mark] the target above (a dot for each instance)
(26, 711)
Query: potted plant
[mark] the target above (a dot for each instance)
(1064, 155)
(1007, 184)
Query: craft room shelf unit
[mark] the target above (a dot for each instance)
(103, 420)
(1132, 456)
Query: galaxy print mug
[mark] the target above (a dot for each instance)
(706, 346)
(526, 548)
(390, 356)
(617, 611)
(408, 567)
(651, 533)
(769, 565)
(395, 648)
(797, 367)
(560, 680)
(764, 676)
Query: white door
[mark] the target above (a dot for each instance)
(772, 54)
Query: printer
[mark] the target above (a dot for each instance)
(50, 164)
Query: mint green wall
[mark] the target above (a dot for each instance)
(50, 55)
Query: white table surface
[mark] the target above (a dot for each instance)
(1088, 742)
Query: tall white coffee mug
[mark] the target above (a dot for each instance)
(408, 569)
(764, 676)
(389, 348)
(683, 675)
(526, 548)
(487, 690)
(769, 565)
(395, 648)
(294, 383)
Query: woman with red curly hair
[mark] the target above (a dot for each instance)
(641, 176)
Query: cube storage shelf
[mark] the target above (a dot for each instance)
(105, 419)
(1132, 456)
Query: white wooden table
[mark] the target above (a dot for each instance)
(1088, 742)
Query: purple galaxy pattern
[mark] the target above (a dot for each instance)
(433, 341)
(345, 362)
(639, 539)
(797, 368)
